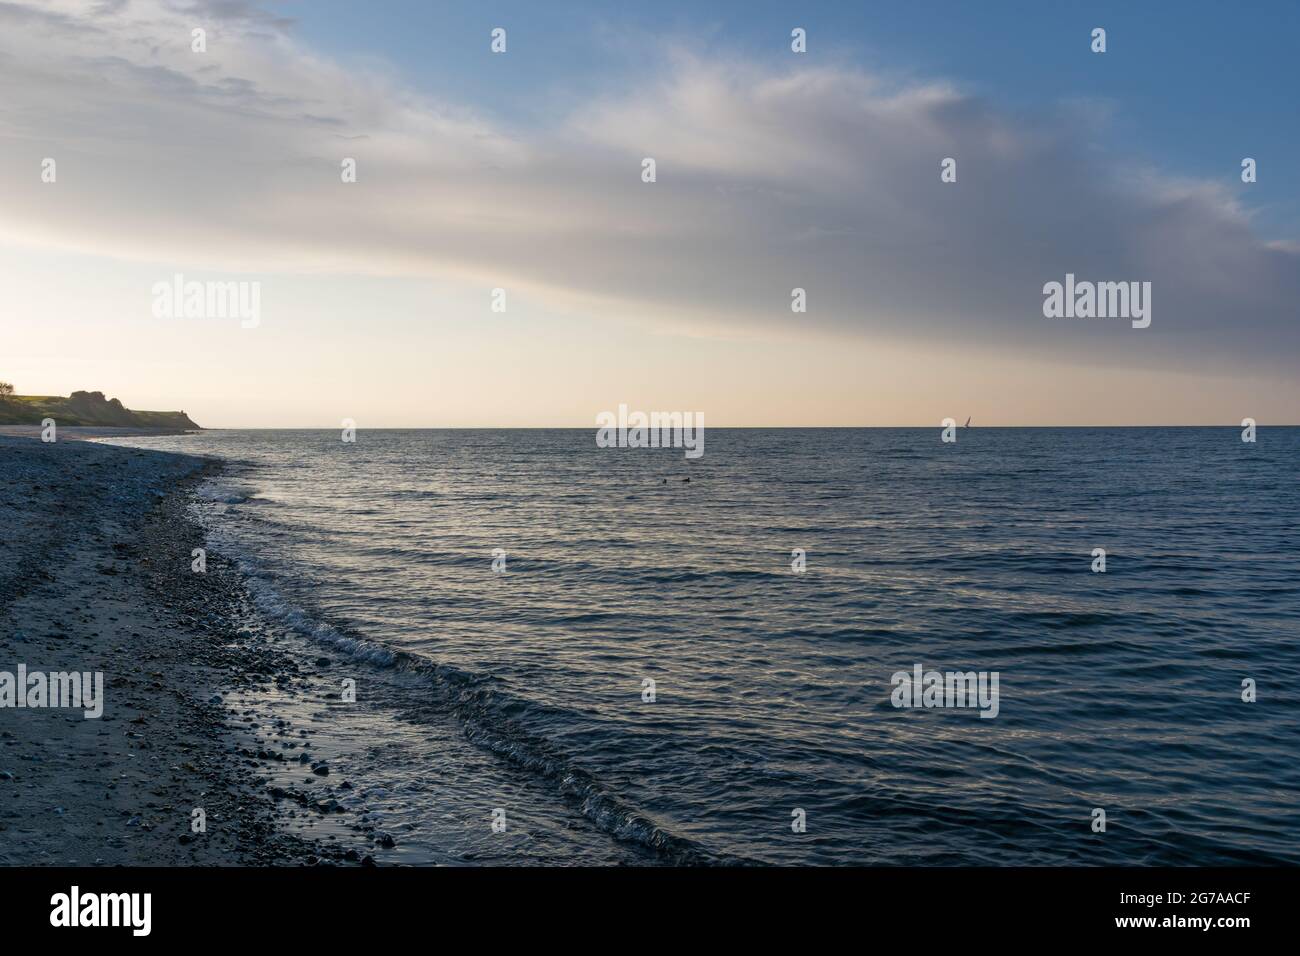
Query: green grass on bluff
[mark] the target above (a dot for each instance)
(85, 408)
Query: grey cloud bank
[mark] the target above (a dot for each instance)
(812, 177)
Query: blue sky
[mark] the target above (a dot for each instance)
(1194, 85)
(776, 172)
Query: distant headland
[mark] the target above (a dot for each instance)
(83, 408)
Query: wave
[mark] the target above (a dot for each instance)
(488, 716)
(218, 492)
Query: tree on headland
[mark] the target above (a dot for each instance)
(5, 390)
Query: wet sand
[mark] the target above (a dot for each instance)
(95, 576)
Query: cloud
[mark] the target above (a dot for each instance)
(768, 179)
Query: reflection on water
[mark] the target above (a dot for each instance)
(771, 687)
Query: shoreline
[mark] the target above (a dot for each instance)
(91, 432)
(95, 576)
(226, 685)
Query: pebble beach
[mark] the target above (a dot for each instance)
(96, 575)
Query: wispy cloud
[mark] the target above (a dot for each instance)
(817, 177)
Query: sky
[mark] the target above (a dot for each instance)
(522, 171)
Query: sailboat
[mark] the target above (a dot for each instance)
(967, 425)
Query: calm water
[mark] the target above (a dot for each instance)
(1119, 690)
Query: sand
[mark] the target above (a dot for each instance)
(95, 576)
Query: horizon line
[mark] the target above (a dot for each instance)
(397, 428)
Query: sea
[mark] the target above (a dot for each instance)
(569, 654)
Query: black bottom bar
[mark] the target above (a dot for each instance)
(330, 906)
